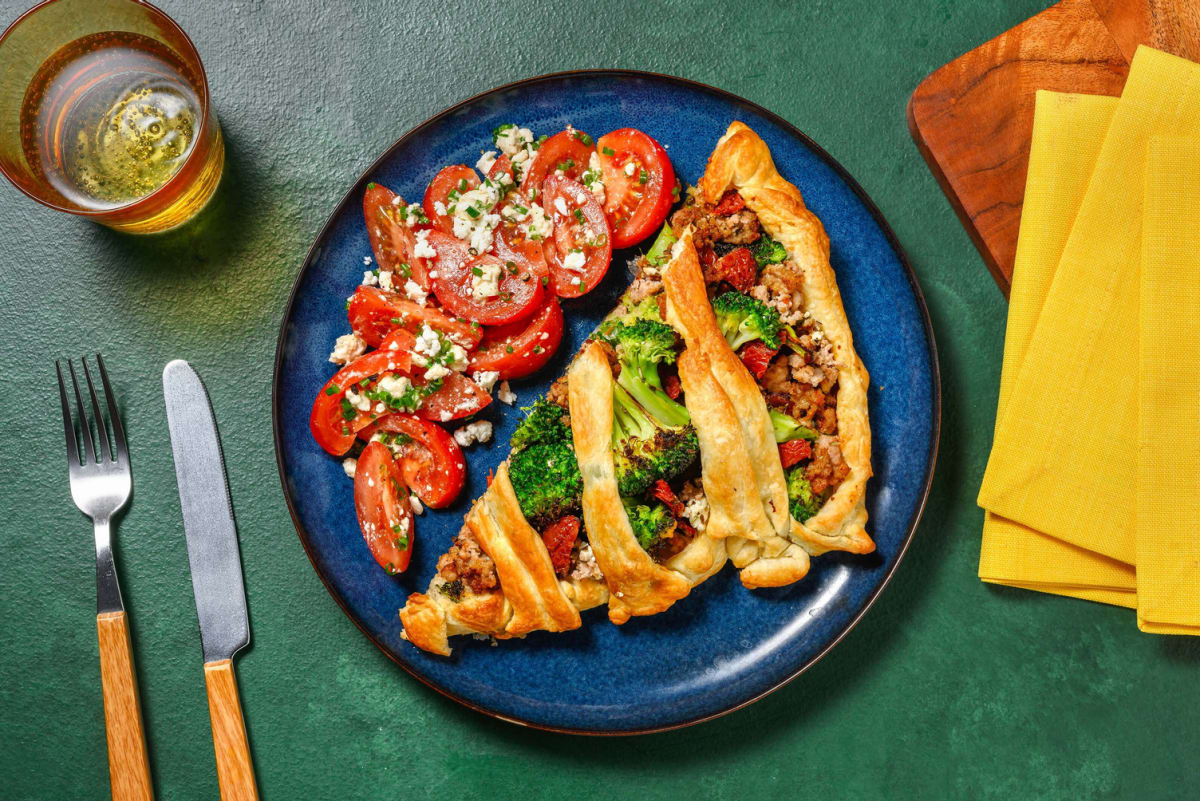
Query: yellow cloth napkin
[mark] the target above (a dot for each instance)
(1068, 130)
(1168, 475)
(1063, 460)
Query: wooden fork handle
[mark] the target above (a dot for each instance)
(128, 765)
(235, 772)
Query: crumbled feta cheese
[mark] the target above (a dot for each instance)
(347, 348)
(423, 248)
(593, 179)
(482, 234)
(479, 431)
(385, 281)
(436, 371)
(513, 140)
(696, 511)
(380, 408)
(413, 214)
(544, 335)
(366, 261)
(630, 169)
(574, 261)
(349, 465)
(413, 292)
(370, 278)
(505, 394)
(486, 161)
(585, 564)
(439, 207)
(486, 379)
(560, 206)
(360, 402)
(487, 283)
(394, 385)
(415, 503)
(428, 344)
(539, 225)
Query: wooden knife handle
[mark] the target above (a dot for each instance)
(235, 771)
(128, 765)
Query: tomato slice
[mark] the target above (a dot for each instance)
(638, 184)
(458, 397)
(384, 513)
(329, 426)
(580, 230)
(374, 314)
(512, 245)
(455, 178)
(518, 294)
(503, 165)
(520, 349)
(392, 242)
(567, 150)
(430, 460)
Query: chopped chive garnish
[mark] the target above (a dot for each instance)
(578, 216)
(405, 270)
(332, 389)
(476, 271)
(545, 280)
(582, 137)
(462, 185)
(608, 151)
(508, 349)
(472, 212)
(643, 176)
(371, 185)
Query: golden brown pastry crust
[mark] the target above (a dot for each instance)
(530, 597)
(689, 310)
(742, 161)
(637, 584)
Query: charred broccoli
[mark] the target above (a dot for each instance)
(788, 428)
(545, 477)
(743, 319)
(767, 251)
(650, 523)
(641, 347)
(544, 422)
(802, 501)
(660, 252)
(644, 449)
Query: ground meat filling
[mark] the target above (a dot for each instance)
(465, 564)
(801, 379)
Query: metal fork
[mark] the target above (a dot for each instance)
(100, 485)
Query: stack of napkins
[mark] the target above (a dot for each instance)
(1093, 485)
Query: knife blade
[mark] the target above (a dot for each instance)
(208, 525)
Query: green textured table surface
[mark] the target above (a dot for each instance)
(947, 689)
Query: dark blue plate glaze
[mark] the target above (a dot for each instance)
(722, 646)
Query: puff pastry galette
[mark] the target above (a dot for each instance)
(719, 413)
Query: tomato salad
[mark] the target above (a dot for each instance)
(465, 296)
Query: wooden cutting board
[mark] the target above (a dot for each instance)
(972, 118)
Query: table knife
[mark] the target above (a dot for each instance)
(212, 546)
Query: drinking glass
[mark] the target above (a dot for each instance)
(105, 113)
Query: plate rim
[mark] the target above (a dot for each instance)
(839, 170)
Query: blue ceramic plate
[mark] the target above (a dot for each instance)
(722, 646)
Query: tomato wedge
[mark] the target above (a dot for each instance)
(458, 397)
(328, 423)
(582, 248)
(392, 242)
(518, 293)
(430, 460)
(520, 349)
(455, 178)
(384, 513)
(638, 184)
(374, 314)
(569, 149)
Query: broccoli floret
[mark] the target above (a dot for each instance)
(660, 252)
(544, 422)
(788, 428)
(650, 523)
(644, 449)
(802, 501)
(743, 318)
(545, 477)
(641, 346)
(767, 251)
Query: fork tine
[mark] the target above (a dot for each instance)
(118, 431)
(85, 428)
(101, 430)
(68, 425)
